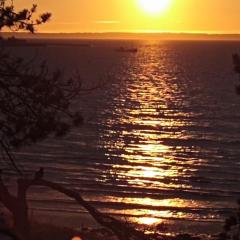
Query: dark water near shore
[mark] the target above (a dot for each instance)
(161, 138)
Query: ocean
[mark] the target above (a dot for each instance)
(160, 143)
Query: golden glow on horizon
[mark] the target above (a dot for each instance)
(192, 16)
(154, 7)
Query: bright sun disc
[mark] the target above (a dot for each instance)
(154, 6)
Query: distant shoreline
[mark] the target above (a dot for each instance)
(128, 36)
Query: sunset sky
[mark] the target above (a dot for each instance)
(131, 16)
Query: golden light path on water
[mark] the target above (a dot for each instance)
(160, 215)
(150, 160)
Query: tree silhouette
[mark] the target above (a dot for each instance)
(33, 103)
(20, 20)
(231, 229)
(236, 63)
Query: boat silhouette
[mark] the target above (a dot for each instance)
(130, 50)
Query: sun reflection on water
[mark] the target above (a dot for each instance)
(148, 220)
(145, 122)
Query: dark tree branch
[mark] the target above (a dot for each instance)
(119, 228)
(10, 157)
(34, 104)
(5, 197)
(21, 20)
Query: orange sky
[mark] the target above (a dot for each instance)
(126, 15)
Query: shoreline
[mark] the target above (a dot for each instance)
(54, 223)
(83, 220)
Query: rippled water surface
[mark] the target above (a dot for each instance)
(161, 138)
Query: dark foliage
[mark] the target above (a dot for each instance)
(231, 229)
(7, 235)
(20, 20)
(236, 63)
(34, 104)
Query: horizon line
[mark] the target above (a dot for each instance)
(132, 32)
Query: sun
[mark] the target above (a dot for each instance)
(154, 7)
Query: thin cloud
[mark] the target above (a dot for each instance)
(106, 22)
(66, 23)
